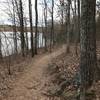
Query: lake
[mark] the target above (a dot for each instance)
(8, 42)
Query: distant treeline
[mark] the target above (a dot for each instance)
(9, 28)
(57, 29)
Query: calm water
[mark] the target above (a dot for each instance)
(8, 42)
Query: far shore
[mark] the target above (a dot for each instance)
(9, 28)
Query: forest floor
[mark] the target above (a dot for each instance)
(29, 85)
(50, 76)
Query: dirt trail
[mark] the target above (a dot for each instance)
(29, 85)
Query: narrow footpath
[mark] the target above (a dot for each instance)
(29, 86)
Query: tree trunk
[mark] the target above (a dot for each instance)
(45, 19)
(15, 41)
(78, 34)
(0, 47)
(88, 59)
(75, 28)
(26, 37)
(68, 28)
(22, 29)
(36, 27)
(31, 27)
(14, 28)
(52, 27)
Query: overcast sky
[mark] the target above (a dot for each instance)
(4, 7)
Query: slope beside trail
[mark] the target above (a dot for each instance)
(29, 85)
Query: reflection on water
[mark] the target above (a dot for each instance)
(7, 42)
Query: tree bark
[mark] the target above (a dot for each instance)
(75, 27)
(31, 27)
(22, 29)
(36, 27)
(68, 28)
(14, 28)
(45, 20)
(26, 37)
(52, 27)
(0, 47)
(78, 32)
(88, 59)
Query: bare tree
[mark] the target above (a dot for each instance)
(36, 26)
(14, 28)
(31, 27)
(22, 28)
(52, 26)
(68, 28)
(45, 20)
(26, 36)
(0, 47)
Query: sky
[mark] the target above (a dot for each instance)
(4, 18)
